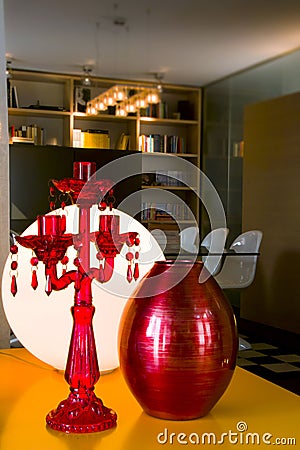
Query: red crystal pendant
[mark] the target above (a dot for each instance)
(136, 272)
(34, 280)
(48, 288)
(129, 273)
(13, 287)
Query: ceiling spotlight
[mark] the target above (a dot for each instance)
(8, 71)
(86, 81)
(159, 77)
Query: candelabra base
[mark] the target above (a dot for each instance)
(81, 413)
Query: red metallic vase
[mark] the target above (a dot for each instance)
(178, 346)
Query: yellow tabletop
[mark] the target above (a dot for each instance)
(253, 413)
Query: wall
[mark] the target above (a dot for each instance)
(271, 187)
(4, 182)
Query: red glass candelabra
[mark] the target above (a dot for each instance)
(82, 411)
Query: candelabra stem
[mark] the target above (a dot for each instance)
(82, 411)
(84, 233)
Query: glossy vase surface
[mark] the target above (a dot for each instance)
(178, 344)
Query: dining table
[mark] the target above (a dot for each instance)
(253, 413)
(204, 251)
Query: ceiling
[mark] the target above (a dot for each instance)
(192, 42)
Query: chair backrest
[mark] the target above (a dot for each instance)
(238, 271)
(217, 237)
(214, 241)
(247, 242)
(160, 237)
(189, 239)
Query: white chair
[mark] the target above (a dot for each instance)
(214, 241)
(238, 271)
(189, 239)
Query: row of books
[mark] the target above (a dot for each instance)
(174, 178)
(91, 138)
(165, 211)
(161, 143)
(31, 134)
(157, 110)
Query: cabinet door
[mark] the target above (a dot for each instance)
(31, 168)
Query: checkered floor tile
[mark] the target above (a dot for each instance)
(273, 363)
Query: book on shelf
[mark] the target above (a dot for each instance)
(123, 142)
(175, 144)
(12, 95)
(91, 138)
(162, 216)
(176, 178)
(156, 110)
(27, 133)
(76, 137)
(161, 143)
(165, 211)
(21, 140)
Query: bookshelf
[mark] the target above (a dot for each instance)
(52, 103)
(175, 146)
(44, 102)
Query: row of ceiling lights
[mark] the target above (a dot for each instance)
(126, 98)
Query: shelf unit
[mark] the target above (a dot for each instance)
(189, 130)
(44, 89)
(58, 90)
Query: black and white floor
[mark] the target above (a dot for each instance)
(274, 354)
(276, 364)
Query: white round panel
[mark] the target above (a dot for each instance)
(43, 323)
